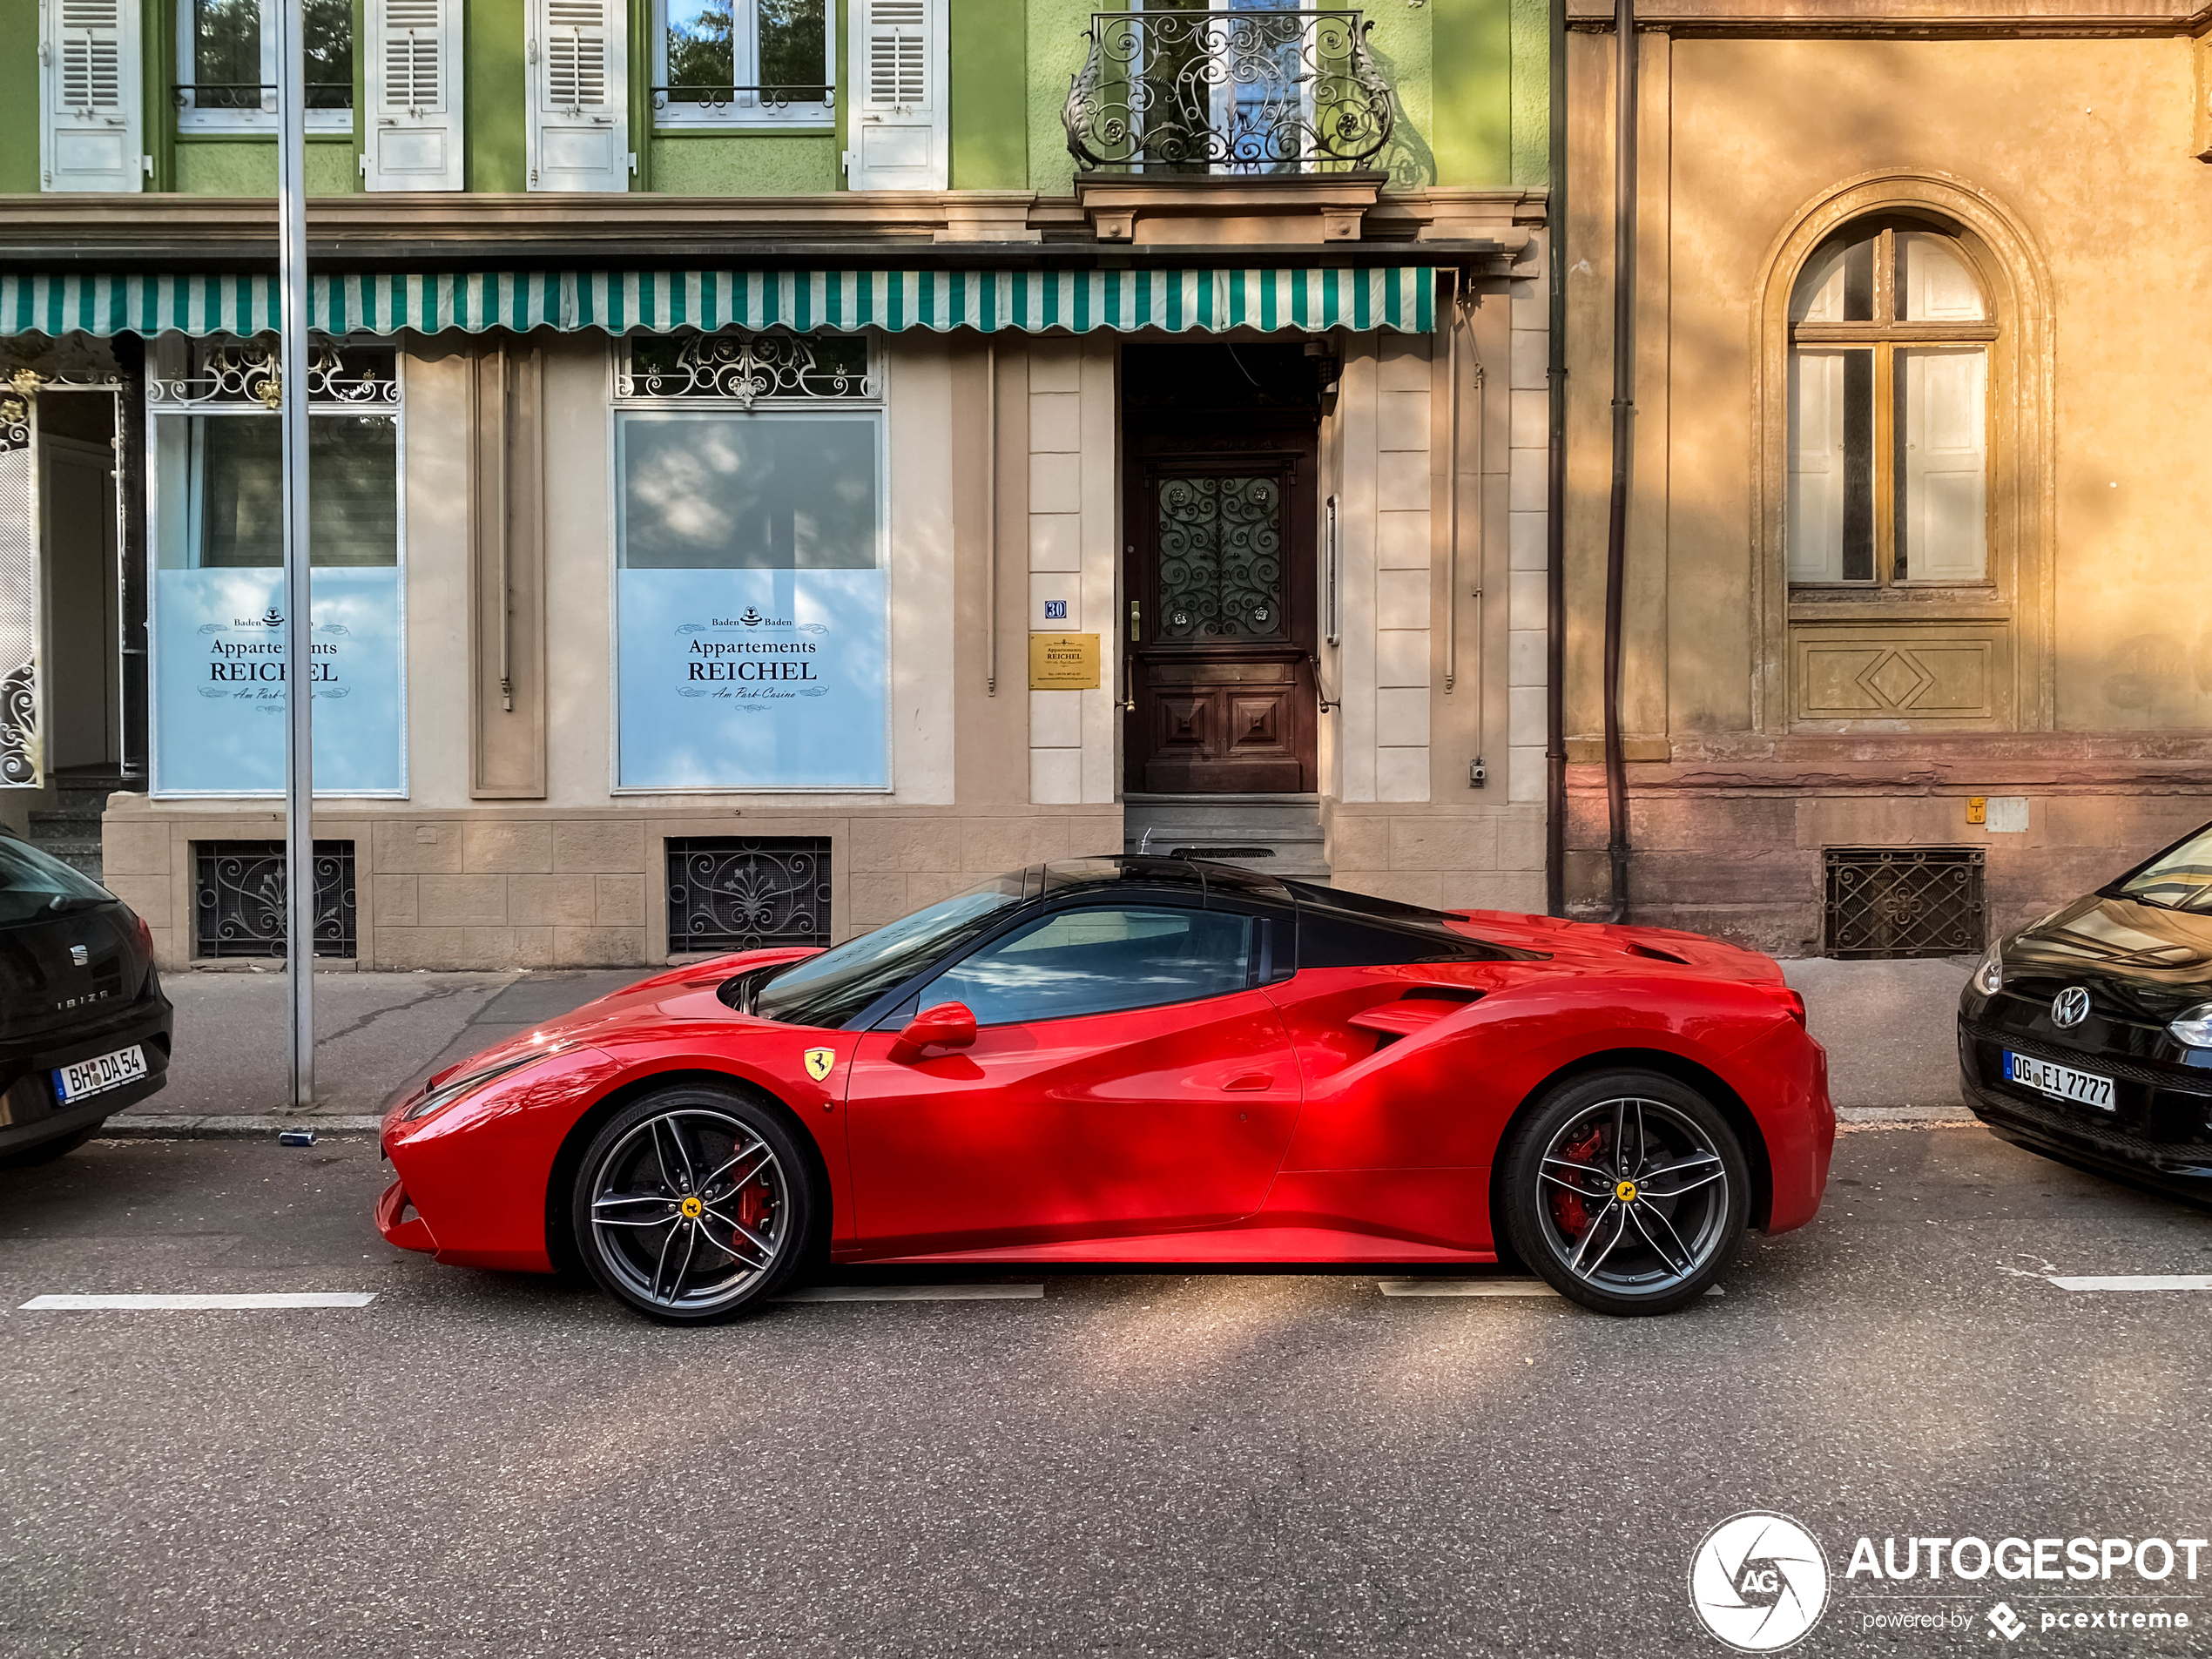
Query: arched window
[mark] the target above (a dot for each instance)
(1890, 341)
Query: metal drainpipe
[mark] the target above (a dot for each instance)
(1616, 529)
(1555, 491)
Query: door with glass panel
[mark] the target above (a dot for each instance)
(1219, 629)
(1892, 591)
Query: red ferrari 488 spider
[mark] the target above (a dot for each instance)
(1139, 1060)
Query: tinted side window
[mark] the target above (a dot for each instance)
(1326, 940)
(1095, 961)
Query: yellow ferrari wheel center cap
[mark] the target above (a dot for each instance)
(1626, 1192)
(692, 1208)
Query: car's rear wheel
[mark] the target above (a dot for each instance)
(693, 1202)
(1626, 1192)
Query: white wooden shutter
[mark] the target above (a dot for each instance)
(1947, 465)
(88, 140)
(580, 96)
(1815, 538)
(897, 77)
(413, 126)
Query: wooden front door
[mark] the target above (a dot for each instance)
(1220, 630)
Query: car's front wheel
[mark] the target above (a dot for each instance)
(693, 1202)
(1626, 1191)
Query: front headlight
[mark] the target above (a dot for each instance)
(454, 1089)
(1989, 973)
(2195, 1028)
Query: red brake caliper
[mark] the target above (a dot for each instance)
(1569, 1213)
(752, 1205)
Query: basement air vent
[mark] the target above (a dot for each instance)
(740, 892)
(1905, 902)
(239, 899)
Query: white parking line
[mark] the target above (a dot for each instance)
(914, 1293)
(1477, 1287)
(242, 1299)
(2134, 1282)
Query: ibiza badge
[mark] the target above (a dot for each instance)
(818, 1062)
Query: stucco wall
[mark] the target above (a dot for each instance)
(2083, 149)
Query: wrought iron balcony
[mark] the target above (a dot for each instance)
(1228, 92)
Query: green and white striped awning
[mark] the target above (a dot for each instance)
(1401, 298)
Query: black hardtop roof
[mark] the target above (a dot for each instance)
(1064, 877)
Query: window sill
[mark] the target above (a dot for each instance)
(258, 135)
(812, 129)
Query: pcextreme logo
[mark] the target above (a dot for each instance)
(1759, 1582)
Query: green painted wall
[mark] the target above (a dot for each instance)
(1402, 44)
(775, 164)
(496, 98)
(19, 95)
(1532, 92)
(1472, 89)
(248, 166)
(988, 51)
(1057, 48)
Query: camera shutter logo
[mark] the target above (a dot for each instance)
(1759, 1582)
(2069, 1008)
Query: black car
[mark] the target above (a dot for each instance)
(84, 1026)
(2088, 1037)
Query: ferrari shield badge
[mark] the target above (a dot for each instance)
(818, 1062)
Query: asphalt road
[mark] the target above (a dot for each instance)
(1175, 1464)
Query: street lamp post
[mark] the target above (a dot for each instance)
(298, 631)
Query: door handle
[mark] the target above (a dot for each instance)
(1251, 1079)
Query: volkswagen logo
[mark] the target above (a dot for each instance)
(2069, 1008)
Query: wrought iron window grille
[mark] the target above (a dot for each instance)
(1228, 91)
(256, 97)
(238, 373)
(744, 368)
(716, 100)
(239, 899)
(1905, 902)
(1221, 558)
(740, 892)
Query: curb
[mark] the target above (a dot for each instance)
(1906, 1117)
(129, 1127)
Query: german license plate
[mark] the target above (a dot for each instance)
(2062, 1082)
(74, 1082)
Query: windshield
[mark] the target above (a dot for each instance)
(829, 989)
(2178, 879)
(33, 886)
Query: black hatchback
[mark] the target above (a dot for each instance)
(2088, 1036)
(84, 1026)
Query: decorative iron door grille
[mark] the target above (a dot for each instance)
(238, 898)
(1905, 902)
(740, 892)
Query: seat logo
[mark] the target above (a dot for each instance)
(818, 1062)
(1758, 1581)
(79, 957)
(2069, 1008)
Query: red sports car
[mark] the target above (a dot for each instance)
(1139, 1060)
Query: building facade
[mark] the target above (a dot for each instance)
(1909, 651)
(774, 466)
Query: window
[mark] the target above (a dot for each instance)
(1890, 339)
(750, 579)
(1100, 961)
(744, 62)
(226, 54)
(220, 652)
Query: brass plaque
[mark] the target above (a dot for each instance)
(1063, 662)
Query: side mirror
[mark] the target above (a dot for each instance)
(949, 1025)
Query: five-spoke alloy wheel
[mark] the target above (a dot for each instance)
(1627, 1190)
(691, 1203)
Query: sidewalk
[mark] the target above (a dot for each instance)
(374, 1033)
(1887, 1028)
